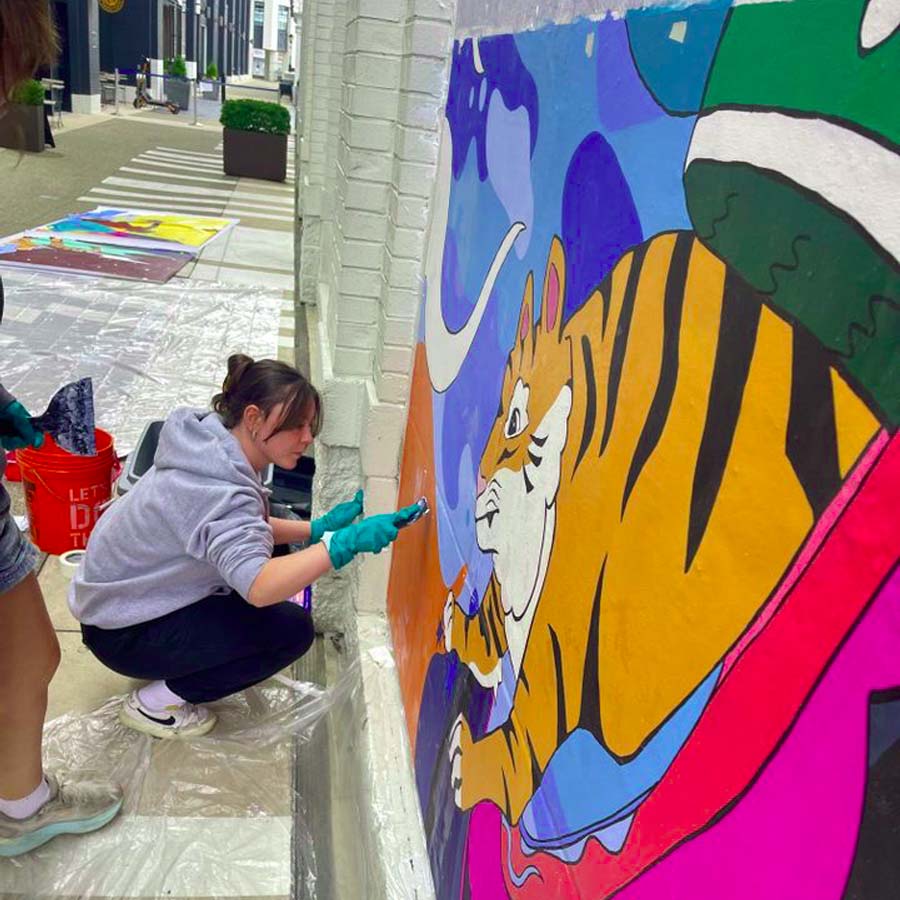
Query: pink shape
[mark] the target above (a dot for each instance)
(793, 834)
(523, 325)
(483, 853)
(552, 297)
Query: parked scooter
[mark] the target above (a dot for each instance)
(141, 96)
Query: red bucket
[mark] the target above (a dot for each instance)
(11, 472)
(64, 493)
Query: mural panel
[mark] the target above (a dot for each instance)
(648, 643)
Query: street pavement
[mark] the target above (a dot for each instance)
(237, 296)
(136, 161)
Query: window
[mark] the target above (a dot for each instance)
(283, 15)
(259, 17)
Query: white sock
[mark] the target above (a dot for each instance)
(157, 696)
(27, 806)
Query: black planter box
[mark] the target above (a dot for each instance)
(251, 154)
(179, 92)
(22, 128)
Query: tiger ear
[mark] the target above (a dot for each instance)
(554, 291)
(525, 328)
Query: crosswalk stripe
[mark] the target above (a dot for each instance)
(120, 198)
(190, 152)
(155, 167)
(281, 204)
(185, 164)
(177, 162)
(193, 160)
(192, 198)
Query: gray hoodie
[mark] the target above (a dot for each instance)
(194, 524)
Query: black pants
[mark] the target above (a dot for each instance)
(208, 650)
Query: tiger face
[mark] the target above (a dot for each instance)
(519, 475)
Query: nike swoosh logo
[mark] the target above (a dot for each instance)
(169, 721)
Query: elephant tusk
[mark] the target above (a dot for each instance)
(446, 350)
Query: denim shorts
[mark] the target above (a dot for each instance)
(17, 555)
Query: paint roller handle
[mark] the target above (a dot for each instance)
(17, 428)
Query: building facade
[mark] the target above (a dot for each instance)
(78, 66)
(202, 31)
(273, 38)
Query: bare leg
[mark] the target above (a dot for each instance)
(29, 655)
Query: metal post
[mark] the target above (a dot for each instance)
(116, 88)
(196, 95)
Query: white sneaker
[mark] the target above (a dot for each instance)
(73, 808)
(185, 721)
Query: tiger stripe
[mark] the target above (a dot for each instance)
(704, 436)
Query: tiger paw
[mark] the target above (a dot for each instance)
(460, 756)
(449, 604)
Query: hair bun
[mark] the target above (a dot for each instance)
(238, 363)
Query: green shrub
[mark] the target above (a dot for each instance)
(212, 70)
(176, 66)
(255, 115)
(28, 93)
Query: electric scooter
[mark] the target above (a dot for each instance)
(142, 98)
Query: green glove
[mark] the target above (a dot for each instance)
(342, 515)
(16, 430)
(371, 535)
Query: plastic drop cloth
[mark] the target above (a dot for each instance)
(215, 817)
(147, 347)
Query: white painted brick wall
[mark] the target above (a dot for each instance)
(424, 37)
(363, 254)
(401, 303)
(379, 70)
(410, 212)
(405, 274)
(382, 435)
(361, 310)
(389, 10)
(407, 242)
(370, 102)
(417, 145)
(373, 36)
(352, 362)
(396, 359)
(396, 329)
(365, 196)
(373, 69)
(356, 336)
(392, 388)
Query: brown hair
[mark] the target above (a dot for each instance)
(27, 40)
(265, 384)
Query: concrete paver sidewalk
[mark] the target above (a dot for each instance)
(246, 833)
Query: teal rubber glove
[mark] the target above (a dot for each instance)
(16, 430)
(341, 516)
(371, 535)
(407, 514)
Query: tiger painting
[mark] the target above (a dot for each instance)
(656, 462)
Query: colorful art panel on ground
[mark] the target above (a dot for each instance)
(66, 254)
(647, 642)
(141, 229)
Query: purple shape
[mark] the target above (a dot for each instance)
(450, 689)
(599, 218)
(509, 164)
(622, 98)
(469, 95)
